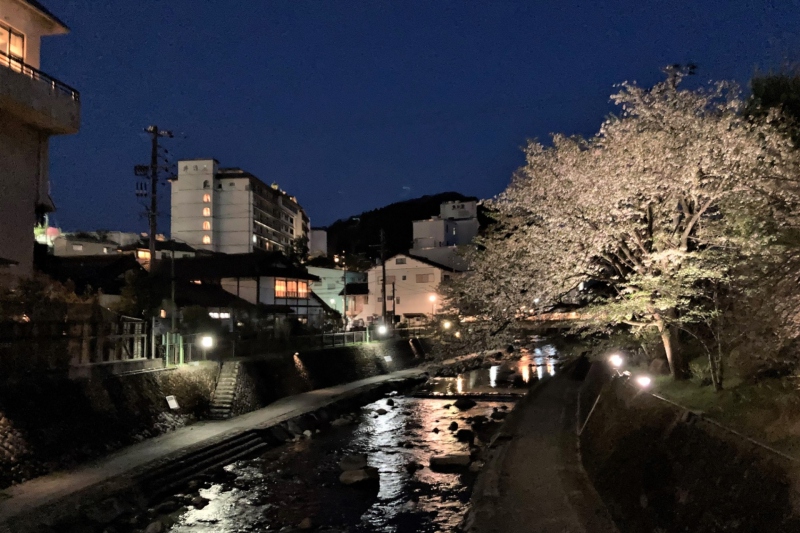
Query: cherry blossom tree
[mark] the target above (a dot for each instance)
(663, 207)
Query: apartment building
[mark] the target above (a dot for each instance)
(438, 238)
(33, 107)
(232, 211)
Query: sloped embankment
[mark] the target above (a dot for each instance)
(659, 467)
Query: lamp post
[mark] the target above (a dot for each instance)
(432, 298)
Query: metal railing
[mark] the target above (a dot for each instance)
(18, 65)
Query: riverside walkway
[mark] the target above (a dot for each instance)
(534, 481)
(29, 497)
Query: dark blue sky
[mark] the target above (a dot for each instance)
(352, 105)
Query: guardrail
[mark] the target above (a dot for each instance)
(17, 65)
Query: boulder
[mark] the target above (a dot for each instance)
(476, 466)
(479, 419)
(413, 466)
(155, 527)
(465, 435)
(305, 523)
(381, 411)
(449, 462)
(199, 502)
(364, 476)
(453, 426)
(390, 402)
(447, 406)
(464, 404)
(353, 462)
(499, 415)
(307, 433)
(659, 367)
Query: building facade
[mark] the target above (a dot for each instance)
(412, 288)
(231, 211)
(331, 282)
(318, 242)
(33, 108)
(439, 238)
(91, 242)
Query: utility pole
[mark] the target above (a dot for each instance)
(344, 291)
(394, 302)
(383, 271)
(140, 170)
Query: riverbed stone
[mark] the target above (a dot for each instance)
(305, 523)
(167, 507)
(451, 461)
(364, 476)
(499, 415)
(476, 466)
(381, 411)
(453, 426)
(340, 422)
(464, 403)
(465, 435)
(199, 502)
(307, 433)
(155, 527)
(353, 462)
(390, 402)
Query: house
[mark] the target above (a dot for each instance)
(331, 283)
(91, 243)
(357, 298)
(231, 211)
(104, 274)
(265, 279)
(411, 288)
(164, 248)
(438, 238)
(33, 107)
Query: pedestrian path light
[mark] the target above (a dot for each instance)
(447, 324)
(206, 341)
(382, 330)
(616, 361)
(643, 381)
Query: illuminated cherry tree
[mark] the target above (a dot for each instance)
(666, 205)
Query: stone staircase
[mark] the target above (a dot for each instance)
(222, 402)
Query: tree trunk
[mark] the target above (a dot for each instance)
(676, 364)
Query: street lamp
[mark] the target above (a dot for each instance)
(616, 361)
(382, 330)
(206, 342)
(447, 324)
(432, 299)
(644, 381)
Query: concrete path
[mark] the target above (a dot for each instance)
(27, 497)
(534, 481)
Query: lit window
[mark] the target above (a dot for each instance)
(206, 211)
(291, 289)
(106, 249)
(255, 239)
(206, 239)
(206, 198)
(206, 225)
(77, 247)
(143, 254)
(302, 289)
(280, 288)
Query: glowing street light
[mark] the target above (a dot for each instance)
(447, 324)
(206, 342)
(382, 330)
(432, 299)
(458, 334)
(643, 381)
(616, 360)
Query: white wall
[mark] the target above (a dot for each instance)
(187, 203)
(233, 217)
(331, 284)
(458, 209)
(29, 21)
(414, 296)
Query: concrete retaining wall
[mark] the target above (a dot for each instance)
(661, 468)
(47, 424)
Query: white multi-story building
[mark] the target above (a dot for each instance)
(232, 211)
(412, 288)
(438, 238)
(33, 107)
(318, 242)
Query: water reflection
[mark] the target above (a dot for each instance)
(493, 376)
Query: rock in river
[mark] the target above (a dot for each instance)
(464, 403)
(381, 411)
(465, 435)
(353, 462)
(447, 462)
(453, 426)
(363, 476)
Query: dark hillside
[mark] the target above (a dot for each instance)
(357, 235)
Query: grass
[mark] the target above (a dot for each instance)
(768, 411)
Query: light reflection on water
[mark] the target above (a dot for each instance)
(421, 501)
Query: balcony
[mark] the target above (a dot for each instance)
(37, 99)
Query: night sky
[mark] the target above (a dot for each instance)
(352, 105)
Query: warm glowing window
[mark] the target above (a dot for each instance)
(206, 211)
(206, 225)
(291, 289)
(143, 254)
(280, 288)
(206, 198)
(302, 289)
(206, 239)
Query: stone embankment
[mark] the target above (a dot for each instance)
(50, 423)
(660, 467)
